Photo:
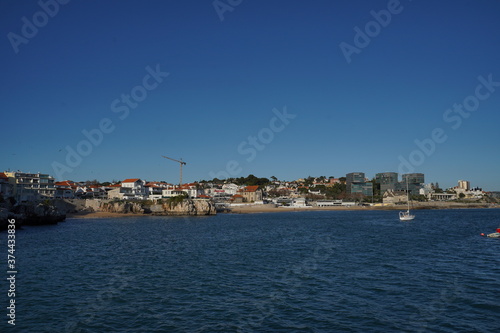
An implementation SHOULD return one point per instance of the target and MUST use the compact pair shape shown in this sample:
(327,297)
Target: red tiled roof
(3,175)
(237,196)
(251,188)
(131,180)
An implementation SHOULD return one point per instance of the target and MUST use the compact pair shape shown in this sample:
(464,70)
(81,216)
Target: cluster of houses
(34,186)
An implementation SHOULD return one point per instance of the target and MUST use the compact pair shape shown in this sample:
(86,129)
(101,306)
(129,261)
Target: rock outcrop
(33,214)
(189,207)
(122,207)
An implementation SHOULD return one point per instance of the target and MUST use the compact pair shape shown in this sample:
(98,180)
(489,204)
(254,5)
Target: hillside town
(352,189)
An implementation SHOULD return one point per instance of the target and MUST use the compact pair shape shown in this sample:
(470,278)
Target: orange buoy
(482,234)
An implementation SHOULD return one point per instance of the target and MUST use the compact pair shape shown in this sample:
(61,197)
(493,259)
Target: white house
(299,202)
(172,192)
(328,203)
(231,189)
(136,187)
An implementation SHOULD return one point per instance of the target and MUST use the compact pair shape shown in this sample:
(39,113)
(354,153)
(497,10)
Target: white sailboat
(406,216)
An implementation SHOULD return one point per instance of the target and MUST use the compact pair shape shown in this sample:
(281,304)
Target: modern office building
(356,183)
(31,186)
(415,182)
(387,181)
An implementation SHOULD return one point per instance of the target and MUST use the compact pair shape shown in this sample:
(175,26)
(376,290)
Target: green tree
(376,187)
(309,181)
(303,190)
(337,191)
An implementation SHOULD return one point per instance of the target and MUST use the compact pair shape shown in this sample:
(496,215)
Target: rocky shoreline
(55,211)
(31,214)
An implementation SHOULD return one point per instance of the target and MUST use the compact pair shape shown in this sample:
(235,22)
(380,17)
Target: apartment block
(31,186)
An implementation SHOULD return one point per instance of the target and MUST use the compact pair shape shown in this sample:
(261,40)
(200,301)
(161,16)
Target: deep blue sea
(329,271)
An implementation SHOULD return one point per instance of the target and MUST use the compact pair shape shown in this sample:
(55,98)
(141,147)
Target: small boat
(493,235)
(406,216)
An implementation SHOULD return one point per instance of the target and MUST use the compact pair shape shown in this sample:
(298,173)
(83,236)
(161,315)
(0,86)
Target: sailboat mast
(407,194)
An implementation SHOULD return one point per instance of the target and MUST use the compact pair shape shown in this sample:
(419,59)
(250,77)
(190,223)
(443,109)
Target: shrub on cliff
(174,201)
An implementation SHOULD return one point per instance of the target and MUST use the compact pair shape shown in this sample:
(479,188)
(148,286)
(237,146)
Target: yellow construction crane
(181,162)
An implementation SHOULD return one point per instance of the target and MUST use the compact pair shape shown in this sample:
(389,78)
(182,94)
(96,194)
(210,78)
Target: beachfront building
(328,203)
(299,202)
(251,193)
(31,186)
(356,183)
(394,197)
(442,196)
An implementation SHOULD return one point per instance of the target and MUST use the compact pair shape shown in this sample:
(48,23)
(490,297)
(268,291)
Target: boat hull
(406,216)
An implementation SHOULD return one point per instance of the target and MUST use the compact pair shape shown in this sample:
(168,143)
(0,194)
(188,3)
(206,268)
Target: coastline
(98,215)
(256,209)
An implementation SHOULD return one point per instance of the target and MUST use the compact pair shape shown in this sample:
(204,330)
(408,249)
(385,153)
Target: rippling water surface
(280,272)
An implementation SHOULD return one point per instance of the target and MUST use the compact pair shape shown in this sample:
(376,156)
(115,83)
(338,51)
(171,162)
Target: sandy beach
(248,209)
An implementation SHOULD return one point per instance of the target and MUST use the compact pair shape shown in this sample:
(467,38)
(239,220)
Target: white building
(328,203)
(134,188)
(191,190)
(31,186)
(442,196)
(231,189)
(299,202)
(171,192)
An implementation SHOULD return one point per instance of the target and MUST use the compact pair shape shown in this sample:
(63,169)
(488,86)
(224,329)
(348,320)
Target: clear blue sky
(226,77)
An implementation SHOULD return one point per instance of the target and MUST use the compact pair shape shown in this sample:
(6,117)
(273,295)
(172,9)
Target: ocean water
(279,272)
